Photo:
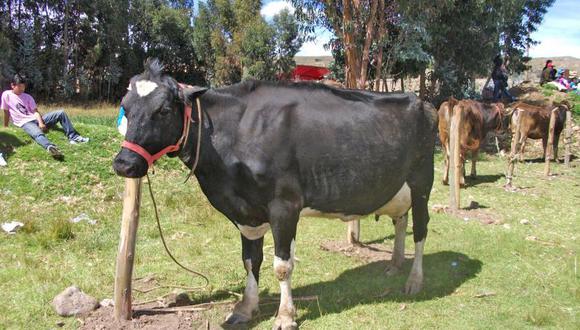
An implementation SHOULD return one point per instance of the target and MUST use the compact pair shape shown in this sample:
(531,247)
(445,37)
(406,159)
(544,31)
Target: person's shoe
(54,152)
(79,139)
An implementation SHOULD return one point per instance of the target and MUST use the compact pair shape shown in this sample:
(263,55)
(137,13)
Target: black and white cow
(273,152)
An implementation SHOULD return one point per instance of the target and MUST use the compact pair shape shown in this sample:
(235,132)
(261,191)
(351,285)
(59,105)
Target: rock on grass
(72,301)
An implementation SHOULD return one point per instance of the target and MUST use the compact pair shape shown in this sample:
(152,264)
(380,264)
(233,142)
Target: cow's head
(154,106)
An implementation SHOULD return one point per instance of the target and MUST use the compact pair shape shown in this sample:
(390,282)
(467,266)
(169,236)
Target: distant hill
(322,61)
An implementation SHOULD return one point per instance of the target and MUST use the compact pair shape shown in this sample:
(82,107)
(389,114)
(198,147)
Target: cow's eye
(164,111)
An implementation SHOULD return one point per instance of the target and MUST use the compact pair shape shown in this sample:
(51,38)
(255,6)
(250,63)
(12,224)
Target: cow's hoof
(414,285)
(284,323)
(235,318)
(392,270)
(445,182)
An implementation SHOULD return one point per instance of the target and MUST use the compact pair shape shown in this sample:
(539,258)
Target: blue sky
(558,35)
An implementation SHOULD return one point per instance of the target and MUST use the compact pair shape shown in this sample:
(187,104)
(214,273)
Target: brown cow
(477,120)
(535,123)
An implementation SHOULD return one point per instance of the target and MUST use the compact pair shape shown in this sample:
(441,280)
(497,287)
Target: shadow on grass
(8,143)
(368,285)
(472,182)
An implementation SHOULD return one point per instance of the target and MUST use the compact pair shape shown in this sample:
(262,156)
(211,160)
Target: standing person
(21,108)
(500,80)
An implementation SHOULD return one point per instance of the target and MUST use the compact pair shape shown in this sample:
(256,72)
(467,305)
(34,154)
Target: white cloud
(316,47)
(313,48)
(552,47)
(272,8)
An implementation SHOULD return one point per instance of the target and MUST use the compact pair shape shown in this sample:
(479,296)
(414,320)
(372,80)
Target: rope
(196,161)
(163,239)
(198,147)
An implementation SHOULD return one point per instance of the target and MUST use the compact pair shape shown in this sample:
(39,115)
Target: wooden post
(549,146)
(126,254)
(568,138)
(455,163)
(515,147)
(353,233)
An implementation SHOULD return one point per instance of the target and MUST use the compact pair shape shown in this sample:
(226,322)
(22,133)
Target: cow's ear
(190,93)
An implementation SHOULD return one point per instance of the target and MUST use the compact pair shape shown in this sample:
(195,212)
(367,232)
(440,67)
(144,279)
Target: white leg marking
(415,280)
(253,233)
(283,270)
(244,309)
(145,87)
(399,249)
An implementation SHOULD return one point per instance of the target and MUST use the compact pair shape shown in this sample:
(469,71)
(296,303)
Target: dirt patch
(150,317)
(365,252)
(473,212)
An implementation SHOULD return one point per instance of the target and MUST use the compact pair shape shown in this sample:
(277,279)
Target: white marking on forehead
(253,233)
(145,87)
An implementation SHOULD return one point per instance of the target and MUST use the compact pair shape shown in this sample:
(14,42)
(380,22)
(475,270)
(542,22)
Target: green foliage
(288,41)
(464,37)
(234,42)
(258,50)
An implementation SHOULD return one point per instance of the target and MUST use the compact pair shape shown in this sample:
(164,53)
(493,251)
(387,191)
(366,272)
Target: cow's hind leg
(252,257)
(421,182)
(284,219)
(474,155)
(446,164)
(399,249)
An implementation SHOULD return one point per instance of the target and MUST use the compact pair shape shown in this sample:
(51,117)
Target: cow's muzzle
(129,164)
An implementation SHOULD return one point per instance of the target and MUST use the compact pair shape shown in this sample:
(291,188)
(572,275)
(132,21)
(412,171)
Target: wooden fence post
(455,163)
(515,147)
(549,146)
(126,254)
(568,138)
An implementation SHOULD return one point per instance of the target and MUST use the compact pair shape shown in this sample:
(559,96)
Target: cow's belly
(396,207)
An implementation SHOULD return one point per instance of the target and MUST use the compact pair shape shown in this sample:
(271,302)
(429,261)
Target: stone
(72,301)
(177,298)
(107,302)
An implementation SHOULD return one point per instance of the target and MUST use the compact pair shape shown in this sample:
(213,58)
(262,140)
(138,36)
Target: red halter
(174,147)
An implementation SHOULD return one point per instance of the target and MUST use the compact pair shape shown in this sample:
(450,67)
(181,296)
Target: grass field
(531,269)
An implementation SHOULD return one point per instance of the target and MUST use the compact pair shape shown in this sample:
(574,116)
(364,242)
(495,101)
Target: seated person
(21,108)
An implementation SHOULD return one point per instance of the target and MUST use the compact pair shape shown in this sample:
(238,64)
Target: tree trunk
(422,87)
(381,35)
(65,40)
(367,45)
(402,84)
(352,64)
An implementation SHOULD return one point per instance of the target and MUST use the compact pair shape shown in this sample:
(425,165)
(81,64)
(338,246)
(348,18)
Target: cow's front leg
(252,257)
(284,219)
(399,249)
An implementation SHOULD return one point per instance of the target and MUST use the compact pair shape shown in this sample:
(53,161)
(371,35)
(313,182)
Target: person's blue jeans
(500,90)
(50,119)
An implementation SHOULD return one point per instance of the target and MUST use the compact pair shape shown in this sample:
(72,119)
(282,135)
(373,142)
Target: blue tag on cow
(122,122)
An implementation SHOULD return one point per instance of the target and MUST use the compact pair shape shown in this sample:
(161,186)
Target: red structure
(308,72)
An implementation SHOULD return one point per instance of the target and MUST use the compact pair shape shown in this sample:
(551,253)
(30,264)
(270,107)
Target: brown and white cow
(477,120)
(535,123)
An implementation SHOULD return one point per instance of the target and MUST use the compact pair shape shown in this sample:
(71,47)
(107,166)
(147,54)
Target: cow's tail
(452,102)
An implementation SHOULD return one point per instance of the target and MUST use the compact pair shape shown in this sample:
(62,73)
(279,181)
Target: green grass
(535,281)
